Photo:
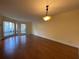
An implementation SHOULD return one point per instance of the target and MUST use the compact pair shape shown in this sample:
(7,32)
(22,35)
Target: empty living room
(39,29)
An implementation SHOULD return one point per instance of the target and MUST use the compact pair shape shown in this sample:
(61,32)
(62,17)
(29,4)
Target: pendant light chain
(47,9)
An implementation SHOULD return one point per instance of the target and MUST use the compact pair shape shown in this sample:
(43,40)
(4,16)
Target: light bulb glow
(46,18)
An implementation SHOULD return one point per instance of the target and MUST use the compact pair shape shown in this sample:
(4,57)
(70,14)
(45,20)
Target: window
(23,28)
(8,28)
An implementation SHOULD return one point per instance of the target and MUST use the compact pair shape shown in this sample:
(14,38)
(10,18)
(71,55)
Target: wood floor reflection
(33,47)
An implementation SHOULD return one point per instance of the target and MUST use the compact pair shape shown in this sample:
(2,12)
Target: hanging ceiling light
(47,18)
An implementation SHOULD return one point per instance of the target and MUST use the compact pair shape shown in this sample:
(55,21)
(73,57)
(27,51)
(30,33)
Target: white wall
(1,27)
(62,28)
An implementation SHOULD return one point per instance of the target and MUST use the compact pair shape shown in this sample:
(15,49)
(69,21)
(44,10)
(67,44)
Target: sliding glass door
(23,28)
(8,28)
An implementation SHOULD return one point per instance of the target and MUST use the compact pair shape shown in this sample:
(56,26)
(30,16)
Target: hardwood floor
(33,47)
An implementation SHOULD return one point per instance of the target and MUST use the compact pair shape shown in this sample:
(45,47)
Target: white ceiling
(34,9)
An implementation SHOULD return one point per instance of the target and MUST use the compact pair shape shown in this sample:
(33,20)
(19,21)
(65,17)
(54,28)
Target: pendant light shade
(46,18)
